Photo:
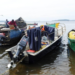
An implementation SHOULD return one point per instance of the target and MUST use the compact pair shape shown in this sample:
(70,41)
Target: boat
(71,39)
(21,24)
(2,25)
(36,43)
(53,24)
(32,23)
(9,36)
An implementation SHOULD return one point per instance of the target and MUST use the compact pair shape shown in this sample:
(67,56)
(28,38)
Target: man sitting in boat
(12,24)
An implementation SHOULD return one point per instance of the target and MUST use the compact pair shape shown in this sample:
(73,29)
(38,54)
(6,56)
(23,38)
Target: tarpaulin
(15,33)
(51,32)
(34,38)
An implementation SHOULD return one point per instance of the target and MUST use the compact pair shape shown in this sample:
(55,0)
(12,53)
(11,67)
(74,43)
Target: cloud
(37,9)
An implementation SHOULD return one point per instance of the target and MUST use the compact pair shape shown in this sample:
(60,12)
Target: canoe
(71,39)
(10,36)
(37,44)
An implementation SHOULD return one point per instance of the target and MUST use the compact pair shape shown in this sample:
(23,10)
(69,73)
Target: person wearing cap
(12,23)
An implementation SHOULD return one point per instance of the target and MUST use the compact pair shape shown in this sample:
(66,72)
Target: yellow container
(11,26)
(42,47)
(72,35)
(57,24)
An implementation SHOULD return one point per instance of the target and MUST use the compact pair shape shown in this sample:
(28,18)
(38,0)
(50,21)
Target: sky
(37,10)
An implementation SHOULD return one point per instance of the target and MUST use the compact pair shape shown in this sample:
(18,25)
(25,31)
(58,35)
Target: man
(7,26)
(12,23)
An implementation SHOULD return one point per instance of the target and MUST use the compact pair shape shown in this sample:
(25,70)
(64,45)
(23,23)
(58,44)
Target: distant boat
(37,44)
(71,39)
(32,23)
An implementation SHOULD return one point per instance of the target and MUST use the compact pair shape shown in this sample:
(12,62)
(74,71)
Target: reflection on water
(4,59)
(71,55)
(61,61)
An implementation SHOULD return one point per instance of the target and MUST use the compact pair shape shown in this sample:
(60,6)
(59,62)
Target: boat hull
(13,38)
(33,59)
(10,42)
(71,43)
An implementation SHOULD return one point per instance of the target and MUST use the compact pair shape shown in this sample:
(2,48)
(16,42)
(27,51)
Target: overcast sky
(37,10)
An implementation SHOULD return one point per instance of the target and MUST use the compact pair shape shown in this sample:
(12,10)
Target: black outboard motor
(19,53)
(20,48)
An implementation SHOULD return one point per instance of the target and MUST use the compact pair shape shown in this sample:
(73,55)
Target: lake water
(60,61)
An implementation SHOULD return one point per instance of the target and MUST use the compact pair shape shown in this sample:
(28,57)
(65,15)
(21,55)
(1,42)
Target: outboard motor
(19,52)
(20,48)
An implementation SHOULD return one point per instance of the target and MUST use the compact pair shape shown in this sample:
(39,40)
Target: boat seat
(56,38)
(6,29)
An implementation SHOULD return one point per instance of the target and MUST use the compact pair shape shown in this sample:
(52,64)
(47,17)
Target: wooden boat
(33,47)
(10,36)
(21,24)
(71,39)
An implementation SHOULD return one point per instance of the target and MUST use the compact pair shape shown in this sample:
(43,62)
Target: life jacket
(42,28)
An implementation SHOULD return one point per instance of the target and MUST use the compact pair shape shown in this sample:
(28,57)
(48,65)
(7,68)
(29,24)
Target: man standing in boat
(7,26)
(12,23)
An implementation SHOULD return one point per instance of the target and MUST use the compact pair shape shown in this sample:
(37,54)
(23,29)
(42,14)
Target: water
(61,61)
